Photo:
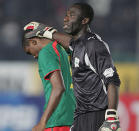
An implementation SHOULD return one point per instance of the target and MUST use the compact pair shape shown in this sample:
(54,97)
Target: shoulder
(46,52)
(95,43)
(92,42)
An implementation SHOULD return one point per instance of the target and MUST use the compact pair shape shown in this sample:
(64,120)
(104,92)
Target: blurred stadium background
(21,93)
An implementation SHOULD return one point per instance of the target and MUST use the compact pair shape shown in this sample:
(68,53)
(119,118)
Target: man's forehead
(32,39)
(27,42)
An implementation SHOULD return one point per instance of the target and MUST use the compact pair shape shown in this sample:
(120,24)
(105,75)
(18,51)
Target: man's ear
(85,21)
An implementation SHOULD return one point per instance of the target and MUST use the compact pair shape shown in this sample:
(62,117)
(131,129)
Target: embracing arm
(53,34)
(63,39)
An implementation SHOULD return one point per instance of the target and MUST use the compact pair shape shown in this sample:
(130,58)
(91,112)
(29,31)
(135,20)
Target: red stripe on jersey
(60,128)
(45,77)
(55,49)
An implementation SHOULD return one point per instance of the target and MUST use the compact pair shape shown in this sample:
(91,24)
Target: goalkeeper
(54,72)
(95,79)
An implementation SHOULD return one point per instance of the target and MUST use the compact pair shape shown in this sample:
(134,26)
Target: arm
(56,93)
(108,73)
(111,116)
(113,96)
(51,33)
(100,58)
(63,39)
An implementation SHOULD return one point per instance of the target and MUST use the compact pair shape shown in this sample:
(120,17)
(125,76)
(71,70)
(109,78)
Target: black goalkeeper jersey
(92,71)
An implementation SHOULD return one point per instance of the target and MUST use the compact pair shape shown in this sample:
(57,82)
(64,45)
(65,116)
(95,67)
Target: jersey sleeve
(101,61)
(48,62)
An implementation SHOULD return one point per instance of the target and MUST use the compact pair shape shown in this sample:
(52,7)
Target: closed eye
(28,53)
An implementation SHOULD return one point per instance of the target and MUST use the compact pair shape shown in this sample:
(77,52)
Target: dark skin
(57,91)
(35,45)
(75,27)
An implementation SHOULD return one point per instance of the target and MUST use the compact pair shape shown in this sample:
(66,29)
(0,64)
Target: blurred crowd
(115,21)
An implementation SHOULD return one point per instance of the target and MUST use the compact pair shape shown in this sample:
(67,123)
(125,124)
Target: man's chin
(67,31)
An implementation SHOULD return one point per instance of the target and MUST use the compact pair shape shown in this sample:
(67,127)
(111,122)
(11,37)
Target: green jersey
(51,58)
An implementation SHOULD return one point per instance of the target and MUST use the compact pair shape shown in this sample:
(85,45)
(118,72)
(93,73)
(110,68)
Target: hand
(40,30)
(47,32)
(39,127)
(111,122)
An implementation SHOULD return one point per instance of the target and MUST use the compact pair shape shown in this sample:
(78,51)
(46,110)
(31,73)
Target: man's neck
(44,42)
(82,32)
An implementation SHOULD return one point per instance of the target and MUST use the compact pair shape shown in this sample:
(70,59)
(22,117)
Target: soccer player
(54,72)
(95,79)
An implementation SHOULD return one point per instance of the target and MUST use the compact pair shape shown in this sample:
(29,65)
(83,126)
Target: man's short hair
(86,10)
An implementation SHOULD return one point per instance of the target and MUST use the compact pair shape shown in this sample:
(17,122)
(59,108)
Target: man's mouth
(35,57)
(65,26)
